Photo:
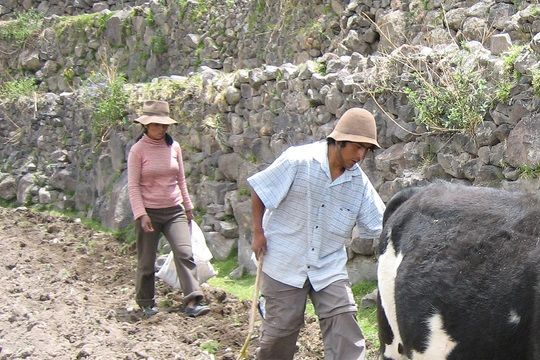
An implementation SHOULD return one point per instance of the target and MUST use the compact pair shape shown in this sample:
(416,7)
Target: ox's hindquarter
(465,272)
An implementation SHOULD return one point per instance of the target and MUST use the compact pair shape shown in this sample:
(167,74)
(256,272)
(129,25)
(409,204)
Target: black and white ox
(459,275)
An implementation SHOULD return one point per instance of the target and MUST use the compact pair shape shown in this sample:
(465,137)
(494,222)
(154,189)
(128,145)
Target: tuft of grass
(367,317)
(80,23)
(529,171)
(241,288)
(22,27)
(11,204)
(127,235)
(11,90)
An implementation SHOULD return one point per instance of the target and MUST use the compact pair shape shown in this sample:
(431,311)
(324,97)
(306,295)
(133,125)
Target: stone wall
(235,121)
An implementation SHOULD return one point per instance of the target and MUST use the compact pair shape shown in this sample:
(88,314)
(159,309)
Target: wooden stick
(253,313)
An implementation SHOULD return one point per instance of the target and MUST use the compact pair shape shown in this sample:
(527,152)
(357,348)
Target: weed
(11,90)
(127,235)
(198,214)
(503,90)
(158,45)
(165,303)
(210,346)
(149,18)
(509,61)
(22,27)
(69,74)
(252,158)
(428,159)
(320,67)
(215,124)
(536,81)
(529,171)
(244,191)
(106,94)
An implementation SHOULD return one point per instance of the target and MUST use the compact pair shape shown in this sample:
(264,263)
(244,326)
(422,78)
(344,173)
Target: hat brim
(339,136)
(156,119)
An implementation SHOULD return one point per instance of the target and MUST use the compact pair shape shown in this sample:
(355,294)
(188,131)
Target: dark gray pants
(285,306)
(172,222)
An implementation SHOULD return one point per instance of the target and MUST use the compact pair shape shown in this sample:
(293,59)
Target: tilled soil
(67,293)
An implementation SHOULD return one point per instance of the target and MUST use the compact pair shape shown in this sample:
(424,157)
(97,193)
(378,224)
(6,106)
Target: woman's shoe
(149,310)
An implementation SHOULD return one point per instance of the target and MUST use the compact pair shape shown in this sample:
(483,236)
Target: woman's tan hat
(356,125)
(155,111)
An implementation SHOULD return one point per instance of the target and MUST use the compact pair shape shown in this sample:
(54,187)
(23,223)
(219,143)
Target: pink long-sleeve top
(156,177)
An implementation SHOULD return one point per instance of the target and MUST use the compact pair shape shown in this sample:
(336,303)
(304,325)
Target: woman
(161,204)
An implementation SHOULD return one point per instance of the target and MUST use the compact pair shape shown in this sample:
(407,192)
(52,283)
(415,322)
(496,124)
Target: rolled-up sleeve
(371,212)
(273,183)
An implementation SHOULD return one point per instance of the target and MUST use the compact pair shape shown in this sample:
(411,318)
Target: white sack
(201,255)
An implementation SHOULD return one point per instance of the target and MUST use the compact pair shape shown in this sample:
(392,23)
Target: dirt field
(67,293)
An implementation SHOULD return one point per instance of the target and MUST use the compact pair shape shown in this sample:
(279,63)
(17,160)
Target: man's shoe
(197,310)
(149,310)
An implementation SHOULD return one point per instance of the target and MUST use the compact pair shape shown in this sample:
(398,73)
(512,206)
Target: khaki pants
(285,307)
(172,222)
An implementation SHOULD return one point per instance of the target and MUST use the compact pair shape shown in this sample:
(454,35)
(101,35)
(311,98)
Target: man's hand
(146,223)
(259,244)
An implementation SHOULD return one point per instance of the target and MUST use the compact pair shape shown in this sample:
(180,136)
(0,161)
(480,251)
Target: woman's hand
(146,223)
(189,215)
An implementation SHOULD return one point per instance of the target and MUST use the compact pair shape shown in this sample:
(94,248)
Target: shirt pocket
(339,228)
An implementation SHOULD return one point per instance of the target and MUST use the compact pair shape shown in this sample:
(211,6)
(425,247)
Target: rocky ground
(67,293)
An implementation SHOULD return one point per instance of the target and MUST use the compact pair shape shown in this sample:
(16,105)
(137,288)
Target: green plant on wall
(69,74)
(81,23)
(105,94)
(458,101)
(22,27)
(149,18)
(11,90)
(529,171)
(158,44)
(215,124)
(536,81)
(509,61)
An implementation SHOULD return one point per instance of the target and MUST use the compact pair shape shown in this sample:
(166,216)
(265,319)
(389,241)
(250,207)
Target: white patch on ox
(513,317)
(439,345)
(389,262)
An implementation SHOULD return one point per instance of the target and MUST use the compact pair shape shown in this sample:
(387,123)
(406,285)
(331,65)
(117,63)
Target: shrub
(458,101)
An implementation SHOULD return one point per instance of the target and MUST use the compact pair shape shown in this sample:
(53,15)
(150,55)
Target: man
(304,208)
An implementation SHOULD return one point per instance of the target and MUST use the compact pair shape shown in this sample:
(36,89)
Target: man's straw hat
(356,125)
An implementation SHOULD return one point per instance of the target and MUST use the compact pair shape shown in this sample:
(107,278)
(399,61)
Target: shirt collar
(321,156)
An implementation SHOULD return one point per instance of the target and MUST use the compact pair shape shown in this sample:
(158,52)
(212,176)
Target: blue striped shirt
(309,217)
